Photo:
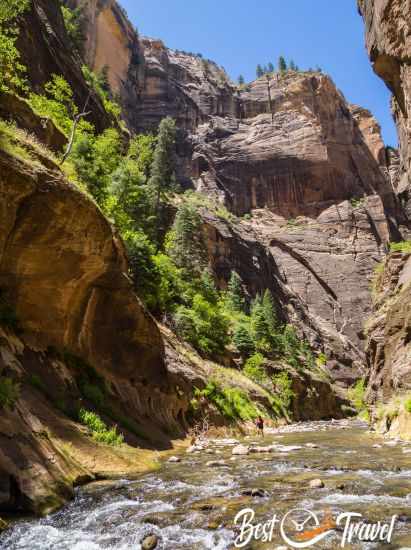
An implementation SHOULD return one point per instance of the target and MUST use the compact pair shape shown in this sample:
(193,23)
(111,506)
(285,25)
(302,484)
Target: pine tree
(243,340)
(259,71)
(241,80)
(282,64)
(270,67)
(163,169)
(270,316)
(258,323)
(187,248)
(293,66)
(235,294)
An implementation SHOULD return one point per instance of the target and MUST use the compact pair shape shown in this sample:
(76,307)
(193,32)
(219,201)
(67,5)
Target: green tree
(270,67)
(293,66)
(259,71)
(11,69)
(95,160)
(186,247)
(203,325)
(235,294)
(269,312)
(163,169)
(241,80)
(282,64)
(73,22)
(141,150)
(243,340)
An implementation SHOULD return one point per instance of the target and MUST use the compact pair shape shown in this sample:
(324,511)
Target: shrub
(232,403)
(283,387)
(98,428)
(72,22)
(204,325)
(11,70)
(9,392)
(407,405)
(254,369)
(356,394)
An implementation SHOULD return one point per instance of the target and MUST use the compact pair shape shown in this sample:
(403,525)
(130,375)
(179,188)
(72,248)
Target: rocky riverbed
(191,502)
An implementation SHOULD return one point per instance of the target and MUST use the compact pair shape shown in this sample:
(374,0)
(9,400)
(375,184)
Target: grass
(22,144)
(99,431)
(9,392)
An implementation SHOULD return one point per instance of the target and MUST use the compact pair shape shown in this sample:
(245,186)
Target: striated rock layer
(388,40)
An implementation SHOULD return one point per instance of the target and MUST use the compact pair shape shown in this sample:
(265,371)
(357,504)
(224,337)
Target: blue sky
(238,34)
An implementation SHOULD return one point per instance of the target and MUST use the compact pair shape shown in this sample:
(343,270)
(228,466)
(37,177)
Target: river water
(192,504)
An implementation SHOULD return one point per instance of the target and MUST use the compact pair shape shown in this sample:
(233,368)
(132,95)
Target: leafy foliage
(254,369)
(283,387)
(11,69)
(232,403)
(357,395)
(73,22)
(99,430)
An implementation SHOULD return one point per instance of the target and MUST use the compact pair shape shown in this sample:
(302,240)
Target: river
(192,504)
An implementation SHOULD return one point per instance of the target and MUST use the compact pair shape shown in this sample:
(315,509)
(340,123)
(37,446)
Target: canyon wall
(387,32)
(387,28)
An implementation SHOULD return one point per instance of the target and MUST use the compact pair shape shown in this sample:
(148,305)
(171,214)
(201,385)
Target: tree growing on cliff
(162,171)
(282,64)
(243,340)
(270,67)
(259,71)
(235,295)
(11,69)
(186,247)
(241,80)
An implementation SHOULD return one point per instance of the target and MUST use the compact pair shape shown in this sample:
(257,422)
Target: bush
(232,403)
(99,430)
(11,70)
(407,405)
(254,369)
(283,384)
(72,22)
(204,325)
(356,394)
(9,392)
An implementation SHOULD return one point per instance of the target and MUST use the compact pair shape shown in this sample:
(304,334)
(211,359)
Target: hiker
(260,425)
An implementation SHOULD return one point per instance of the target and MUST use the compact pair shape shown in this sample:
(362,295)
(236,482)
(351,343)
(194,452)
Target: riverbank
(192,502)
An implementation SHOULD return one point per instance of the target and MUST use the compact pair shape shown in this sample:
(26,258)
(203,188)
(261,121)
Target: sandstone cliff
(388,351)
(288,149)
(309,185)
(387,25)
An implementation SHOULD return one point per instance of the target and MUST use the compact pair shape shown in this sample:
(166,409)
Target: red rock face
(289,149)
(388,40)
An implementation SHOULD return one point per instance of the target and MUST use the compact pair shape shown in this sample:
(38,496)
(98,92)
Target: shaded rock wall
(389,331)
(387,26)
(42,30)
